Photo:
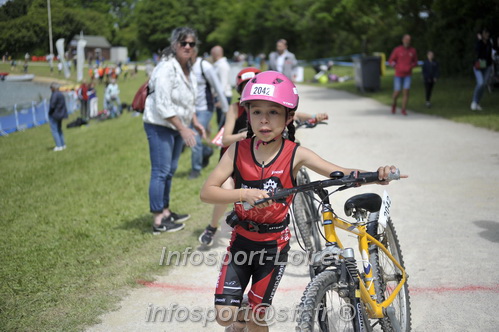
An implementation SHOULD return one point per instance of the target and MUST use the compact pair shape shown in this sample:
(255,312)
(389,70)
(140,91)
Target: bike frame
(367,294)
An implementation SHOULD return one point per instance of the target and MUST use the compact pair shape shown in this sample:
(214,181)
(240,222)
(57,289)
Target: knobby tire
(387,275)
(322,309)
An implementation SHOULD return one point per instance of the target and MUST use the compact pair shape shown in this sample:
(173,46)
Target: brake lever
(344,187)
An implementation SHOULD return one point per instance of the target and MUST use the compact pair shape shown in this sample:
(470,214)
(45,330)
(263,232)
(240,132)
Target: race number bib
(384,212)
(262,90)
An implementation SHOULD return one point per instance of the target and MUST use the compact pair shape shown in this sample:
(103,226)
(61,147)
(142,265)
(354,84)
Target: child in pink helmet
(236,129)
(259,165)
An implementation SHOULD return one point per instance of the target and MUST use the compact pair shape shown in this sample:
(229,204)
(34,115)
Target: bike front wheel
(306,215)
(387,276)
(323,309)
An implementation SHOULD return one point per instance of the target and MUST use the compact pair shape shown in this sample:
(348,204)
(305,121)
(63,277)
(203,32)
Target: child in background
(259,165)
(430,75)
(235,129)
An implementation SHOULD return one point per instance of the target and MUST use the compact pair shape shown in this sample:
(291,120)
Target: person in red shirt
(259,165)
(83,96)
(403,59)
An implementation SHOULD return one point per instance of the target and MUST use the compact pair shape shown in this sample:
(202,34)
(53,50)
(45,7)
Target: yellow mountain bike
(340,297)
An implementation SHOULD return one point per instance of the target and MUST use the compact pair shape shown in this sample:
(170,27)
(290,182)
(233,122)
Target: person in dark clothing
(430,75)
(57,112)
(482,67)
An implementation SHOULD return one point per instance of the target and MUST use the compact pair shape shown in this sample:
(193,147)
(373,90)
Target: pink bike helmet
(271,86)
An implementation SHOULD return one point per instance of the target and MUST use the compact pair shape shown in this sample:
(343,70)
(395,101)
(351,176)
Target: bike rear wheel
(323,309)
(387,276)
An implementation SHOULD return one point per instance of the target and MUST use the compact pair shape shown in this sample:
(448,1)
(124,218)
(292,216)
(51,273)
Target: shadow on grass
(142,223)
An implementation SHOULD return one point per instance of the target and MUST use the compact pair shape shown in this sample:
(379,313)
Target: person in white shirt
(223,70)
(168,115)
(207,83)
(112,101)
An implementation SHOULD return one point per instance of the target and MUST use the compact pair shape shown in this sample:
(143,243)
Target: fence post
(34,114)
(46,110)
(17,119)
(2,132)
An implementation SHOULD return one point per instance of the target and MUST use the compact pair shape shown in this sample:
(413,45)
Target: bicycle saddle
(370,202)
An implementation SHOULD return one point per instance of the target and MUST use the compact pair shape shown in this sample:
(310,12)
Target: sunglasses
(184,44)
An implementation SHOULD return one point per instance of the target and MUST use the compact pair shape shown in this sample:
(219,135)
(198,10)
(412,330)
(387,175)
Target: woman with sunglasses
(168,114)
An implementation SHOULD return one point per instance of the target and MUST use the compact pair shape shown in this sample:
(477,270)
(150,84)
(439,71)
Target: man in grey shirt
(283,60)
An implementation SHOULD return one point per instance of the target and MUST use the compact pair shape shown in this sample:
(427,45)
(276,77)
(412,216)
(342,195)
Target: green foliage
(452,28)
(14,9)
(156,19)
(314,28)
(29,32)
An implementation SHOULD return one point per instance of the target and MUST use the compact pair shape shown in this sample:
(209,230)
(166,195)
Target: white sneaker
(58,148)
(473,106)
(478,108)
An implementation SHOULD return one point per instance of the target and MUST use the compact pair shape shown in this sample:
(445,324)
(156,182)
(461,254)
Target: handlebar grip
(394,176)
(369,176)
(373,176)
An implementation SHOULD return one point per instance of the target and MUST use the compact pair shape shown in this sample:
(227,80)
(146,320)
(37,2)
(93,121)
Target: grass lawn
(74,225)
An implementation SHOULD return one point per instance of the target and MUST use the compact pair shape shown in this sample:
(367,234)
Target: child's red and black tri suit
(260,256)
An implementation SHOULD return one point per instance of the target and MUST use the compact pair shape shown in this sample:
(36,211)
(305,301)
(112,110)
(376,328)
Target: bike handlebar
(348,181)
(308,123)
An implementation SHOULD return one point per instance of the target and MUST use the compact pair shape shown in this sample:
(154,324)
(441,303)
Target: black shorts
(263,262)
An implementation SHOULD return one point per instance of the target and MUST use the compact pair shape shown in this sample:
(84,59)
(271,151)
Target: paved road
(446,215)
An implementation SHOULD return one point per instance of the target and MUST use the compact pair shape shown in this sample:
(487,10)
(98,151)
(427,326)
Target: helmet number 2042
(263,90)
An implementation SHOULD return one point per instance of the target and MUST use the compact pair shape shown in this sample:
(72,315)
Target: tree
(313,28)
(452,28)
(14,9)
(156,19)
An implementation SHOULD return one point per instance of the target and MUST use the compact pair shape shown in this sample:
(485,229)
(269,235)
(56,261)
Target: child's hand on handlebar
(388,173)
(321,117)
(253,195)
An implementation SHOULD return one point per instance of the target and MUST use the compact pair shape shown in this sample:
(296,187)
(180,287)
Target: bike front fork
(350,278)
